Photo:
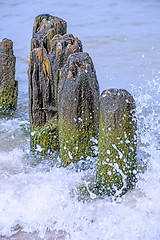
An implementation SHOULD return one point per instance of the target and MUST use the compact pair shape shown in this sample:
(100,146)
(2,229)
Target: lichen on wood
(8,85)
(78,109)
(117,168)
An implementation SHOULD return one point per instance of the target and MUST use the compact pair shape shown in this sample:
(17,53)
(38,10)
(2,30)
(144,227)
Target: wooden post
(8,85)
(44,132)
(47,21)
(78,109)
(62,47)
(44,29)
(117,166)
(50,51)
(43,111)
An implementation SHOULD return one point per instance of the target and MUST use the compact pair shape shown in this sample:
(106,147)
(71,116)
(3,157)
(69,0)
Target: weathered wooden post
(50,50)
(62,47)
(8,85)
(47,21)
(117,166)
(43,111)
(44,129)
(78,108)
(45,28)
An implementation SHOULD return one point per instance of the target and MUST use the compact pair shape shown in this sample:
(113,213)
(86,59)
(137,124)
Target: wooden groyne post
(78,108)
(117,167)
(67,113)
(50,48)
(8,84)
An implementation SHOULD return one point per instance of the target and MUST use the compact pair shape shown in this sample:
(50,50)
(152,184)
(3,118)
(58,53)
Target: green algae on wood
(8,97)
(8,85)
(45,139)
(117,166)
(78,109)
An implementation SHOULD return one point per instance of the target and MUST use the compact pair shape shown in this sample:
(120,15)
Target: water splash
(38,200)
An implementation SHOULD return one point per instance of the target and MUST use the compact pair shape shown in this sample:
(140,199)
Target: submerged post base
(45,139)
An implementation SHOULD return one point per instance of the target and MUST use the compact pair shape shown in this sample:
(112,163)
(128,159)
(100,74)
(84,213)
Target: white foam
(40,200)
(11,162)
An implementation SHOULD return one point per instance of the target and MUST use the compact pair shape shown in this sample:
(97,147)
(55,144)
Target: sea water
(39,200)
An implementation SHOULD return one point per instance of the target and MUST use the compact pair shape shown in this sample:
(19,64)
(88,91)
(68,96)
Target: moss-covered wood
(78,109)
(8,85)
(117,166)
(45,138)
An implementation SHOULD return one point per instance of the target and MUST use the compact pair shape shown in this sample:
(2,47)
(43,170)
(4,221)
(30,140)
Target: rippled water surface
(38,200)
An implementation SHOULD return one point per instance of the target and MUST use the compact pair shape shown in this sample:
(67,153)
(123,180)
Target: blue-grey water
(37,199)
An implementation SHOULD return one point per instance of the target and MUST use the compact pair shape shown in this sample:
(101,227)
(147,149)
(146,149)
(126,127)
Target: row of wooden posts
(67,112)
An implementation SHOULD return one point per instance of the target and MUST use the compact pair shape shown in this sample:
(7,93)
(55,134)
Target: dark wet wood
(41,88)
(78,108)
(45,28)
(50,51)
(7,63)
(8,85)
(62,47)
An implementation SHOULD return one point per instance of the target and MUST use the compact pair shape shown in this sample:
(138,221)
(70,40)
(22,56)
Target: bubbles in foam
(11,162)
